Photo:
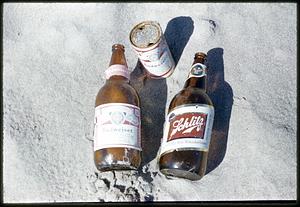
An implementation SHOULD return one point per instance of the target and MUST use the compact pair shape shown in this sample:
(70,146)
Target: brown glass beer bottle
(117,132)
(188,126)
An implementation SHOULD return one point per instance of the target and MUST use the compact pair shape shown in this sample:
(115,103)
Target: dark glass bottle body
(189,164)
(117,90)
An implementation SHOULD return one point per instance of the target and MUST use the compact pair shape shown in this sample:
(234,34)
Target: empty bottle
(117,132)
(188,126)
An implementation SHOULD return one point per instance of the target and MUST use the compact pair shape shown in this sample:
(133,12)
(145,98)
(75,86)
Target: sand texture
(54,57)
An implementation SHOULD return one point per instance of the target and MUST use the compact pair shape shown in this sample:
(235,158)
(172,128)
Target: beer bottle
(117,132)
(188,127)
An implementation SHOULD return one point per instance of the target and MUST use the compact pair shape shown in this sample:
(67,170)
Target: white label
(188,127)
(117,69)
(198,70)
(159,60)
(117,125)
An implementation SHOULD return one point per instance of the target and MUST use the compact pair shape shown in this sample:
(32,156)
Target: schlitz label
(187,125)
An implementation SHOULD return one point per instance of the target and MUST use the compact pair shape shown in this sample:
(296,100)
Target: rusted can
(148,40)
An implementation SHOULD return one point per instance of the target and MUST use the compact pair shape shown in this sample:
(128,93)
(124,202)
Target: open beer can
(149,43)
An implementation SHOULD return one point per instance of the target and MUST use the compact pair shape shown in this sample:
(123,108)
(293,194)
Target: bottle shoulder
(117,92)
(190,95)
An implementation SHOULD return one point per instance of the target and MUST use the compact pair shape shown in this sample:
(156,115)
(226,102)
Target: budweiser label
(117,69)
(117,125)
(188,127)
(159,60)
(198,70)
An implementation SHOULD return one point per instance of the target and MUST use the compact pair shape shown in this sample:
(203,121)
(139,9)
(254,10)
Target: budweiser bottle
(188,127)
(117,133)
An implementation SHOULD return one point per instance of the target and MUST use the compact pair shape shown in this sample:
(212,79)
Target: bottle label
(117,69)
(188,127)
(158,61)
(198,70)
(117,125)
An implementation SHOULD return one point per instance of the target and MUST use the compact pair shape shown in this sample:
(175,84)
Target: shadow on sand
(221,95)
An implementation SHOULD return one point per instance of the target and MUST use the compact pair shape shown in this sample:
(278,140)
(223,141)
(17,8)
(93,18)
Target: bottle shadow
(153,97)
(221,95)
(153,92)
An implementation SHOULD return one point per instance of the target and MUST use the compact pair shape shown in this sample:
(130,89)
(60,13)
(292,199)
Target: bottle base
(189,164)
(181,174)
(105,168)
(117,158)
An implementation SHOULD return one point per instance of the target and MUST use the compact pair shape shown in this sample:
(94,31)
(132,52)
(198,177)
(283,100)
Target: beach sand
(54,57)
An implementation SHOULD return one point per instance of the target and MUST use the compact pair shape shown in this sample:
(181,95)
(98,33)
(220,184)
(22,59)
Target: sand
(54,57)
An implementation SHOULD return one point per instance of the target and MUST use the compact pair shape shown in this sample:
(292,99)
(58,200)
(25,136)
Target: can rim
(154,23)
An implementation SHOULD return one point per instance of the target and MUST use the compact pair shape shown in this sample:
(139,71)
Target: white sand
(54,61)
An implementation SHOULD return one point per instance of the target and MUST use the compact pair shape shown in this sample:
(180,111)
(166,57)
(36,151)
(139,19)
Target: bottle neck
(197,75)
(118,69)
(118,78)
(118,55)
(196,82)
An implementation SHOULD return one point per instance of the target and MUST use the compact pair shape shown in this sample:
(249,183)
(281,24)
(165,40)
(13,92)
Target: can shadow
(153,97)
(221,95)
(177,34)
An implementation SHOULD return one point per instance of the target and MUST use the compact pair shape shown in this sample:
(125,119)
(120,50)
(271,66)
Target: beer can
(149,43)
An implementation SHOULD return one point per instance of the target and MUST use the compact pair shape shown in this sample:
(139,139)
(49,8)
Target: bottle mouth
(200,54)
(118,46)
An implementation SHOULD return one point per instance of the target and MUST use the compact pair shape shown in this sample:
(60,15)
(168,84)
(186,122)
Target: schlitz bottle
(117,132)
(188,126)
